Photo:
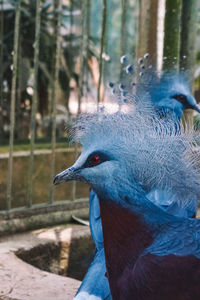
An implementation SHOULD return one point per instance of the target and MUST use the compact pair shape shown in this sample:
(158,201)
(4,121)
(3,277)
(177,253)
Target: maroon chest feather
(149,277)
(162,278)
(121,251)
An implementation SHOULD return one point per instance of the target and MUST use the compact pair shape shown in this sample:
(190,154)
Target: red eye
(95,160)
(181,98)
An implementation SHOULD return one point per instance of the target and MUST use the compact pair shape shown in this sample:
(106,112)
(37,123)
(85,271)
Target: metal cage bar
(13,101)
(35,101)
(55,96)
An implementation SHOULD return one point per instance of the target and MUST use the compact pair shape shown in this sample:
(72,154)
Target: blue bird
(170,96)
(150,254)
(101,288)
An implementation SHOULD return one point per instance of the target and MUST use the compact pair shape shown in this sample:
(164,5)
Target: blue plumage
(171,95)
(94,270)
(95,220)
(159,147)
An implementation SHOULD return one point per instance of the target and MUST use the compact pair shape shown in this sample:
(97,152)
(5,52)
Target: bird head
(101,163)
(97,166)
(173,93)
(131,151)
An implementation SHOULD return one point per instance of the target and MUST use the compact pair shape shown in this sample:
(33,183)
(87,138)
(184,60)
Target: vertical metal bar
(12,109)
(1,64)
(83,52)
(51,91)
(123,38)
(87,43)
(83,57)
(55,95)
(71,23)
(103,38)
(35,100)
(73,193)
(18,91)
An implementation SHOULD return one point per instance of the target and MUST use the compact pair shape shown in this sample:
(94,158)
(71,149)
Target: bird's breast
(125,237)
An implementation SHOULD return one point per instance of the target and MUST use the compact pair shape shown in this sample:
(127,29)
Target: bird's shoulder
(180,237)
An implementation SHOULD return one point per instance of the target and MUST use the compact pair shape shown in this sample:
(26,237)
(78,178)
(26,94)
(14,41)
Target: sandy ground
(21,281)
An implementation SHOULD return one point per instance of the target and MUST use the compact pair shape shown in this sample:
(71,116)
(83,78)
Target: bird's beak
(193,104)
(196,107)
(66,175)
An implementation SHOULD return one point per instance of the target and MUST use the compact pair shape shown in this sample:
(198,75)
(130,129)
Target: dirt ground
(21,281)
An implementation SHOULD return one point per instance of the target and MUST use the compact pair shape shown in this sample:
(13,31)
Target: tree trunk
(172,32)
(143,27)
(188,35)
(148,35)
(188,44)
(153,33)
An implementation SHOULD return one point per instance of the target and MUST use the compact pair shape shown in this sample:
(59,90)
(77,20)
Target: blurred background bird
(150,254)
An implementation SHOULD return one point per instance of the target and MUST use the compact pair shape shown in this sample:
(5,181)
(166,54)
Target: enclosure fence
(9,211)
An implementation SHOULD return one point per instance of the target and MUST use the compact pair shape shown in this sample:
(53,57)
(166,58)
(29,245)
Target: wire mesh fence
(55,61)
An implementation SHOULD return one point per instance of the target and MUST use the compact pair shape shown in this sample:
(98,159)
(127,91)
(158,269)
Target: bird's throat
(125,237)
